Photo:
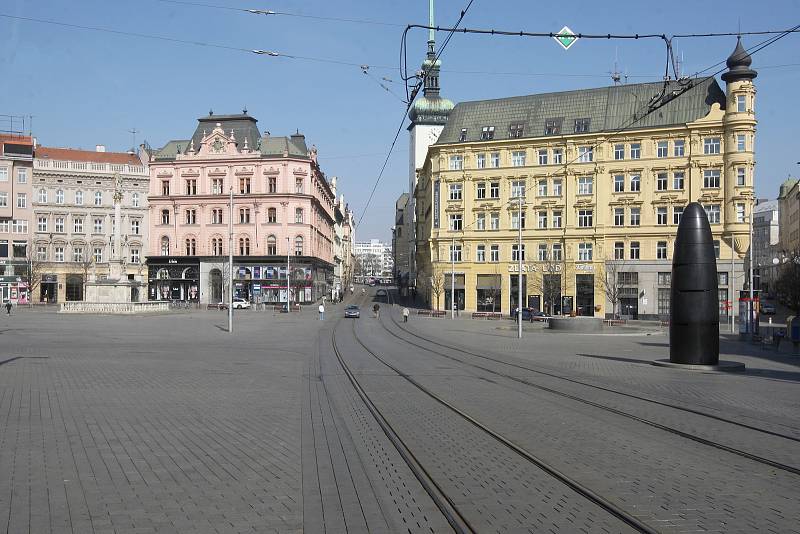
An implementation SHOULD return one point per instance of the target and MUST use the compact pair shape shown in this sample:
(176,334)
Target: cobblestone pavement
(169,424)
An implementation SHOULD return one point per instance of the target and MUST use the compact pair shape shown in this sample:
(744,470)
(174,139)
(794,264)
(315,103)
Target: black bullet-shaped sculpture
(694,310)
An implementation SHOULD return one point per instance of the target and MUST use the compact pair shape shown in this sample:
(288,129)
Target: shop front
(488,293)
(457,289)
(14,282)
(174,279)
(48,289)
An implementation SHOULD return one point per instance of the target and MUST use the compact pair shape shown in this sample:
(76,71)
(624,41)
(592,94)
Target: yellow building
(603,175)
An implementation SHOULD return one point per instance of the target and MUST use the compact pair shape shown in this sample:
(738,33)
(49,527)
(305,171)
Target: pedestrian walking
(321,312)
(405,315)
(8,307)
(376,309)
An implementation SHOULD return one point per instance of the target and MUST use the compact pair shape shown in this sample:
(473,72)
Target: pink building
(282,204)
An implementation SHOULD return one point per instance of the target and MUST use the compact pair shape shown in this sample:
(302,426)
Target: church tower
(739,126)
(428,116)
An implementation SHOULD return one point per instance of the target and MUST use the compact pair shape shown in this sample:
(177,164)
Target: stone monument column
(115,264)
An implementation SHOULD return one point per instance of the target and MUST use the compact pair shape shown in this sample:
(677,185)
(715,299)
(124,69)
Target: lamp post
(519,266)
(230,262)
(288,288)
(452,277)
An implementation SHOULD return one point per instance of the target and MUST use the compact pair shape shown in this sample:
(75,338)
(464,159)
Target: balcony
(90,167)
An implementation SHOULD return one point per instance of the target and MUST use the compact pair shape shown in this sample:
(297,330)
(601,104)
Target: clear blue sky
(86,87)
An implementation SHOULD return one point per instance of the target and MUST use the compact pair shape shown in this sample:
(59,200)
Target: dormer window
(515,130)
(487,133)
(463,136)
(552,127)
(581,125)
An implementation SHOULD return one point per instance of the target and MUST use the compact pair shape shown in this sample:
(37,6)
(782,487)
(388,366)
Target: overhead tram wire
(410,102)
(651,109)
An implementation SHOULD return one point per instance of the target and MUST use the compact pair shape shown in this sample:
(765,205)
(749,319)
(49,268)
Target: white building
(373,258)
(766,239)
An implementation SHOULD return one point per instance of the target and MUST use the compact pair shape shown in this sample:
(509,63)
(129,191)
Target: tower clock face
(433,135)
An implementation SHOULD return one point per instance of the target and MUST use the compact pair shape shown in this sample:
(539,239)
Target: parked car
(238,304)
(767,308)
(352,312)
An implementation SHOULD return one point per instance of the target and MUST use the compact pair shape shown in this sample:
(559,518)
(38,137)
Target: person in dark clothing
(8,307)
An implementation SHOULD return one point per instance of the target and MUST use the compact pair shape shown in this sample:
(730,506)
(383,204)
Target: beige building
(789,215)
(603,176)
(73,218)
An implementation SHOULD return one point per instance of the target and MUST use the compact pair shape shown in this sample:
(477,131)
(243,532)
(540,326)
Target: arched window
(272,215)
(298,245)
(191,247)
(298,215)
(244,246)
(165,246)
(272,246)
(216,246)
(164,216)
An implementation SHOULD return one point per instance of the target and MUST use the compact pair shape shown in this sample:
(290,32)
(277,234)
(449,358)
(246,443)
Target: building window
(135,200)
(740,143)
(661,215)
(244,215)
(3,199)
(541,189)
(664,279)
(494,190)
(456,162)
(98,198)
(191,247)
(244,185)
(585,218)
(59,225)
(480,161)
(455,253)
(463,136)
(480,253)
(42,196)
(3,174)
(619,152)
(135,226)
(542,156)
(495,159)
(216,246)
(298,246)
(480,190)
(619,250)
(636,216)
(516,217)
(272,246)
(741,103)
(740,176)
(711,145)
(677,213)
(557,219)
(716,248)
(619,216)
(542,252)
(41,252)
(518,189)
(661,250)
(581,125)
(216,216)
(619,183)
(97,253)
(456,222)
(557,252)
(455,191)
(584,252)
(19,226)
(79,198)
(518,158)
(634,249)
(552,126)
(662,149)
(191,187)
(677,180)
(135,255)
(661,181)
(557,187)
(711,178)
(272,184)
(298,215)
(60,196)
(494,253)
(480,221)
(712,210)
(164,216)
(636,183)
(740,213)
(244,246)
(22,175)
(494,221)
(98,225)
(487,133)
(22,200)
(541,220)
(41,225)
(298,186)
(678,148)
(585,185)
(272,215)
(518,252)
(515,130)
(191,216)
(636,150)
(59,254)
(77,225)
(585,154)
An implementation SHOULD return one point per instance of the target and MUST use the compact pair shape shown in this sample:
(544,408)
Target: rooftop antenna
(616,76)
(133,132)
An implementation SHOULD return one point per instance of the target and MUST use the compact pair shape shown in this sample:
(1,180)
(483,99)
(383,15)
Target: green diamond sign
(565,37)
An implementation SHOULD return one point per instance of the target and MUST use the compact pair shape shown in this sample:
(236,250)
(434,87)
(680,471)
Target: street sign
(565,37)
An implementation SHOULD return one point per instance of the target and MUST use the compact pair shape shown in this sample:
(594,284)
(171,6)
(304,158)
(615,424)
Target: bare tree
(85,266)
(436,281)
(611,283)
(548,284)
(36,269)
(788,283)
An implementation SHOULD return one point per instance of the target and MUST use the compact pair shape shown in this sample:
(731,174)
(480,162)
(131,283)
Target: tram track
(451,511)
(699,439)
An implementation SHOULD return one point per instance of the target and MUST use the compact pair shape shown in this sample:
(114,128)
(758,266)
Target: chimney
(100,148)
